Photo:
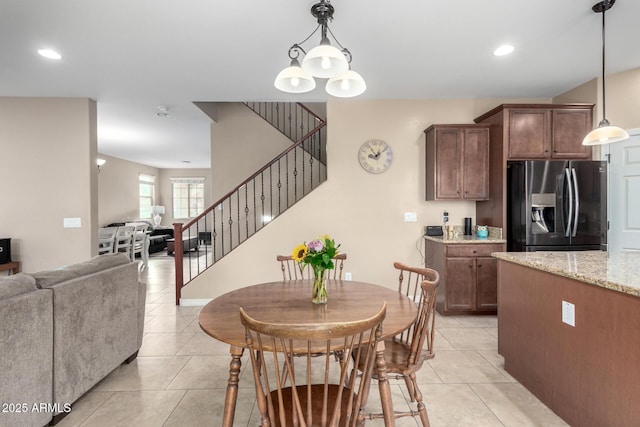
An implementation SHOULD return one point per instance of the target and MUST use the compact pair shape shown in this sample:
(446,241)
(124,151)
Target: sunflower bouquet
(318,253)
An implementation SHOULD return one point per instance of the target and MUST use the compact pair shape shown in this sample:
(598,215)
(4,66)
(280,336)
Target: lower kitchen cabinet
(468,276)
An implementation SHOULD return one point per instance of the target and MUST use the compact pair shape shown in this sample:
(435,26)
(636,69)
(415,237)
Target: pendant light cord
(604,101)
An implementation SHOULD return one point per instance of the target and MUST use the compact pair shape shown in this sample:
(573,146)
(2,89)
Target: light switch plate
(568,313)
(71,223)
(410,217)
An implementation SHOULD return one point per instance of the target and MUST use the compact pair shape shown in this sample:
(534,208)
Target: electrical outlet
(347,276)
(568,313)
(445,217)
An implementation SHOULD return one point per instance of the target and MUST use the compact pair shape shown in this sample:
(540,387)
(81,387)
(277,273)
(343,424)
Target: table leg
(232,387)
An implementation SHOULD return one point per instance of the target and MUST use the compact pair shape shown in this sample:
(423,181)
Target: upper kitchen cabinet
(530,132)
(543,131)
(457,162)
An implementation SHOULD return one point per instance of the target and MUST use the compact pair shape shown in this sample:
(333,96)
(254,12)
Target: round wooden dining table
(290,302)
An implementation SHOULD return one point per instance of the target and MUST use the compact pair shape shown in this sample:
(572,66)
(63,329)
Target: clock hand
(371,156)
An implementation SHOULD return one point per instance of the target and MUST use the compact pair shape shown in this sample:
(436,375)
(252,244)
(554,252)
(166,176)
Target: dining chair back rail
(292,270)
(339,399)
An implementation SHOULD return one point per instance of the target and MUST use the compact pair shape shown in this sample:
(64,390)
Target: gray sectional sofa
(62,331)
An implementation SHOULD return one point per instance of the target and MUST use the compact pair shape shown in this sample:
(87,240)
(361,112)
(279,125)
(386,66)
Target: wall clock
(375,156)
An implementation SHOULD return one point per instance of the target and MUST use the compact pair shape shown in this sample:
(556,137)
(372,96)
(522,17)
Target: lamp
(156,211)
(323,61)
(604,133)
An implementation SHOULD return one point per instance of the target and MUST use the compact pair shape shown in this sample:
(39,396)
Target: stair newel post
(177,255)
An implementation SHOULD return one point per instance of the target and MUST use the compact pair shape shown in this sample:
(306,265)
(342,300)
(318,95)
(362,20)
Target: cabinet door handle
(475,252)
(479,265)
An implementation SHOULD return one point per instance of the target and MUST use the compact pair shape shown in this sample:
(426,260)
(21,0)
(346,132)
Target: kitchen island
(584,368)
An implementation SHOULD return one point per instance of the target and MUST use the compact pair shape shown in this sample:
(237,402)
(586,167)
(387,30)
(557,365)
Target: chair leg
(416,396)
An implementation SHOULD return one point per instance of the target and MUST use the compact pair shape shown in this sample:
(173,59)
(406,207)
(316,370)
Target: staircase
(260,198)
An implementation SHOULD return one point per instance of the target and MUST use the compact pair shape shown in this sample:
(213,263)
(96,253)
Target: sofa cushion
(46,279)
(17,284)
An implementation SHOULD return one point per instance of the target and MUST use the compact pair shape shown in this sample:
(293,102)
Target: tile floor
(179,377)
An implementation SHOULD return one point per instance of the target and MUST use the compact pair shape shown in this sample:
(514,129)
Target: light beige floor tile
(204,408)
(166,297)
(514,405)
(163,343)
(440,342)
(209,372)
(492,331)
(84,407)
(497,361)
(426,374)
(469,338)
(457,405)
(144,373)
(170,309)
(203,344)
(447,321)
(194,326)
(168,323)
(465,367)
(135,408)
(478,321)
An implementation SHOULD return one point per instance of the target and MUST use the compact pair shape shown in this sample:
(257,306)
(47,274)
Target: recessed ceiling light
(505,49)
(49,53)
(163,111)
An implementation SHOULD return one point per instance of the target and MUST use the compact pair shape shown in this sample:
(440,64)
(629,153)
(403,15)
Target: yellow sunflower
(299,252)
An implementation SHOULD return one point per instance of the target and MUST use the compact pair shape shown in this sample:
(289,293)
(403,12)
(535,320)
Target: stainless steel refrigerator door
(547,203)
(590,215)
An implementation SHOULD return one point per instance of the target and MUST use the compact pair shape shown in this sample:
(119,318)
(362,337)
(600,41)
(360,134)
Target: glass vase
(319,285)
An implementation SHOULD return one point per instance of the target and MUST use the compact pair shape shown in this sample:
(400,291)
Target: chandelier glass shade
(604,133)
(346,85)
(323,61)
(294,79)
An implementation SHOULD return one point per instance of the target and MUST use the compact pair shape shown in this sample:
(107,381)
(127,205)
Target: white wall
(363,212)
(119,194)
(47,167)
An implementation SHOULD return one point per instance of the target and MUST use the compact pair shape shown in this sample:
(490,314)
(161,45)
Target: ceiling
(133,56)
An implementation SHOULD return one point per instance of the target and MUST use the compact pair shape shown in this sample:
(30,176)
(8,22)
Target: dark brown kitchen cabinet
(468,276)
(529,132)
(548,133)
(457,162)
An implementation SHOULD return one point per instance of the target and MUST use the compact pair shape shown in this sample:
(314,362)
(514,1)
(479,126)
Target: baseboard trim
(193,302)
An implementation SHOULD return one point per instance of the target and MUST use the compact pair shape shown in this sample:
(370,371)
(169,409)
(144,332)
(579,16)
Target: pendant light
(604,133)
(323,61)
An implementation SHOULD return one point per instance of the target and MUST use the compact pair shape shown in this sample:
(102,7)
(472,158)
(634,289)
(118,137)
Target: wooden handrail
(255,174)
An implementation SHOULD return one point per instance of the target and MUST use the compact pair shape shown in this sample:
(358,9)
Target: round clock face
(375,156)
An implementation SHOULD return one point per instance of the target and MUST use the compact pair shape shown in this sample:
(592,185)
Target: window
(147,191)
(188,197)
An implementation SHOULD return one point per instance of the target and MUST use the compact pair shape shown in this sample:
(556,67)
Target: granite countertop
(457,237)
(464,239)
(618,271)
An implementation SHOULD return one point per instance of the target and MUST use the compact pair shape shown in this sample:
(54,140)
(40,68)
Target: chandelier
(605,133)
(323,61)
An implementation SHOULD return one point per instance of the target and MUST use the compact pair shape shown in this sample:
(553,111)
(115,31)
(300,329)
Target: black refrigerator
(555,205)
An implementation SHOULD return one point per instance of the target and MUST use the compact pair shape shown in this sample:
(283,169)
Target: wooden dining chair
(314,392)
(139,242)
(291,270)
(406,353)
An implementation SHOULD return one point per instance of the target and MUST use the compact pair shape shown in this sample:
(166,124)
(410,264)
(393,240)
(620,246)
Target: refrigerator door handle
(577,207)
(567,176)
